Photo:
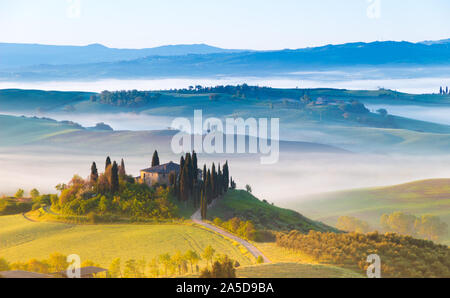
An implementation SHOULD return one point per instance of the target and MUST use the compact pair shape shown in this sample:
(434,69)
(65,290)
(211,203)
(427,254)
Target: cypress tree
(204,173)
(195,165)
(220,181)
(122,171)
(190,168)
(205,208)
(203,205)
(182,162)
(226,177)
(94,173)
(107,163)
(208,188)
(114,178)
(184,184)
(213,182)
(155,159)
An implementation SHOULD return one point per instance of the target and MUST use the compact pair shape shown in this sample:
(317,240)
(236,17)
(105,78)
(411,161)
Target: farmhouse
(160,174)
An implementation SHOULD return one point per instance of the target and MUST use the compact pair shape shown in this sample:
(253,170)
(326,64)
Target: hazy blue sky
(251,24)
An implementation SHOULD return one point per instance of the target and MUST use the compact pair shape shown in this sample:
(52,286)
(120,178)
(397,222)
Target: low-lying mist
(294,176)
(409,80)
(118,121)
(437,114)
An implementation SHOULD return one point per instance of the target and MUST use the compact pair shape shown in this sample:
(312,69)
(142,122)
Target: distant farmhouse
(160,174)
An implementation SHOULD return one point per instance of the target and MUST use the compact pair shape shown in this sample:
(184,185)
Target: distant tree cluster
(354,107)
(352,224)
(188,187)
(131,99)
(238,91)
(427,226)
(9,206)
(244,229)
(20,204)
(402,256)
(444,91)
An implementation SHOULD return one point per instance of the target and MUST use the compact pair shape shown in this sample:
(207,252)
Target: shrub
(260,260)
(222,268)
(36,206)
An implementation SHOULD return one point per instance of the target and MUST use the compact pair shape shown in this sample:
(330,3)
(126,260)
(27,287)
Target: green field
(22,240)
(417,198)
(293,264)
(21,130)
(32,100)
(295,270)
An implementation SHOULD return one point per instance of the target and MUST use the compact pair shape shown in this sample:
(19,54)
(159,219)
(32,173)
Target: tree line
(165,265)
(201,190)
(443,90)
(131,98)
(425,227)
(402,256)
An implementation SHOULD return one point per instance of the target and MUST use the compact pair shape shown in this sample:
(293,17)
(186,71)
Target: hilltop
(101,62)
(417,198)
(19,55)
(243,205)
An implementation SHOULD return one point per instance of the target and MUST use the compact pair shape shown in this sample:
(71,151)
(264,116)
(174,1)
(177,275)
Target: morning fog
(236,136)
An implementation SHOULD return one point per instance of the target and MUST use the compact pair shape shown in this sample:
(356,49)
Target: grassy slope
(30,100)
(21,240)
(290,264)
(295,270)
(19,130)
(239,203)
(418,198)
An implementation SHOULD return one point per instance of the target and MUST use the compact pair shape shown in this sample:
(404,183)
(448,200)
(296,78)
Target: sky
(238,24)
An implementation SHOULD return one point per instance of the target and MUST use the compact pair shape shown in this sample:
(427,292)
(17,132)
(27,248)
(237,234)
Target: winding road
(197,218)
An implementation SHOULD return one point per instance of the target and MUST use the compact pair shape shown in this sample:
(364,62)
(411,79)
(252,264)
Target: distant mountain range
(38,62)
(18,55)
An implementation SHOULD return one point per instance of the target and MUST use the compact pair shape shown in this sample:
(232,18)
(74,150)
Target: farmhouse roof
(164,169)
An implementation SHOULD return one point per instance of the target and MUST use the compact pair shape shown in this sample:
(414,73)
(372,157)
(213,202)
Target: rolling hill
(417,198)
(361,132)
(257,63)
(22,240)
(19,55)
(245,206)
(295,270)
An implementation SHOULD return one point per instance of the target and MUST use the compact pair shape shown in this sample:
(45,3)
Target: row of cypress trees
(112,174)
(200,189)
